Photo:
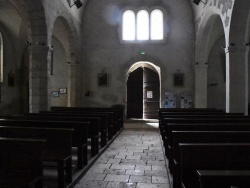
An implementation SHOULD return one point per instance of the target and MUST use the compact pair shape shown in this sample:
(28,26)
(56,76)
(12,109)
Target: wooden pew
(189,110)
(57,149)
(192,111)
(194,118)
(211,156)
(201,137)
(117,117)
(109,119)
(164,111)
(79,137)
(93,129)
(200,119)
(212,126)
(99,121)
(167,121)
(21,162)
(224,178)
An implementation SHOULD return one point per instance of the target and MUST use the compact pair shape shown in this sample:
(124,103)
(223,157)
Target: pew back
(21,162)
(211,156)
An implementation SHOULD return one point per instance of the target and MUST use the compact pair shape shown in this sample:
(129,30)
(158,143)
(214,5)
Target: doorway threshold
(141,123)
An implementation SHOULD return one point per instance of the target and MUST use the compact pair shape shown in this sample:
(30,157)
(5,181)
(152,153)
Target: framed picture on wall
(178,79)
(55,93)
(63,91)
(102,79)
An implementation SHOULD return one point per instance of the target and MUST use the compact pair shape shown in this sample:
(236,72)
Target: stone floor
(134,160)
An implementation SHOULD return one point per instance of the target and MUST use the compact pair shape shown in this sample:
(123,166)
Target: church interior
(106,81)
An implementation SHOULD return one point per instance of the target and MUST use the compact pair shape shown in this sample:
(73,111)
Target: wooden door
(151,87)
(135,94)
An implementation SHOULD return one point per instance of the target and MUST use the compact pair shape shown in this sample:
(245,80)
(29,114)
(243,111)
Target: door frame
(143,64)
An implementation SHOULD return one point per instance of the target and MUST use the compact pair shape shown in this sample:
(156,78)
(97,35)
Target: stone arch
(207,27)
(203,35)
(65,32)
(71,30)
(144,65)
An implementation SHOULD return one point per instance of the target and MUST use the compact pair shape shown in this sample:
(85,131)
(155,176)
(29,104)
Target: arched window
(128,25)
(1,58)
(142,25)
(156,27)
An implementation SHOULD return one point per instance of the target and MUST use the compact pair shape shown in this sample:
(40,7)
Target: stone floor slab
(148,185)
(135,159)
(140,179)
(91,184)
(117,178)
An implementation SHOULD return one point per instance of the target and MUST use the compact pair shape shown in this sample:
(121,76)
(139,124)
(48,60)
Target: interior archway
(216,81)
(143,91)
(59,77)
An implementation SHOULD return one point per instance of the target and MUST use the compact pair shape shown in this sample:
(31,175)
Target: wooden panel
(135,94)
(151,87)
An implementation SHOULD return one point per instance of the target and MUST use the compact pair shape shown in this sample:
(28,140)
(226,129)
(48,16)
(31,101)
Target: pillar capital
(200,65)
(237,48)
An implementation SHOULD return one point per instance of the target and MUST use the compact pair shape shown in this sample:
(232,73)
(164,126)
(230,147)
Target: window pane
(156,25)
(142,25)
(128,25)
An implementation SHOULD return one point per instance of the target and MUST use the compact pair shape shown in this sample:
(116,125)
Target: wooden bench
(224,178)
(21,162)
(58,147)
(165,114)
(163,111)
(179,115)
(189,110)
(79,135)
(194,119)
(200,121)
(109,119)
(99,121)
(220,126)
(117,117)
(201,137)
(93,128)
(211,156)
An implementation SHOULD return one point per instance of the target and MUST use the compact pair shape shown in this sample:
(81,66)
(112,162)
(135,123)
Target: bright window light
(156,18)
(128,25)
(142,25)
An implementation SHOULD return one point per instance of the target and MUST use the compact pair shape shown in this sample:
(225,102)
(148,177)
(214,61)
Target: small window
(143,25)
(128,25)
(156,25)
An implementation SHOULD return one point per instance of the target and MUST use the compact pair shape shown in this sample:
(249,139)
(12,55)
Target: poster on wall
(149,94)
(186,100)
(170,100)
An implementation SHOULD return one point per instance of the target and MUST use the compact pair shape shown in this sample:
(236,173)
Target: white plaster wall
(103,51)
(217,77)
(59,79)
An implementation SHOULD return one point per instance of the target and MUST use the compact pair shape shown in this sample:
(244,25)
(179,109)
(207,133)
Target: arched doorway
(143,91)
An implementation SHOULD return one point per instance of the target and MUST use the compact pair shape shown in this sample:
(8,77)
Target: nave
(135,159)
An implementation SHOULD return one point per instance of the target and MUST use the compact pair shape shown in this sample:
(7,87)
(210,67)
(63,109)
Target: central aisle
(135,159)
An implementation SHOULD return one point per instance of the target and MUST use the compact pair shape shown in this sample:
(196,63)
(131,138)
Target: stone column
(75,85)
(38,78)
(200,85)
(237,78)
